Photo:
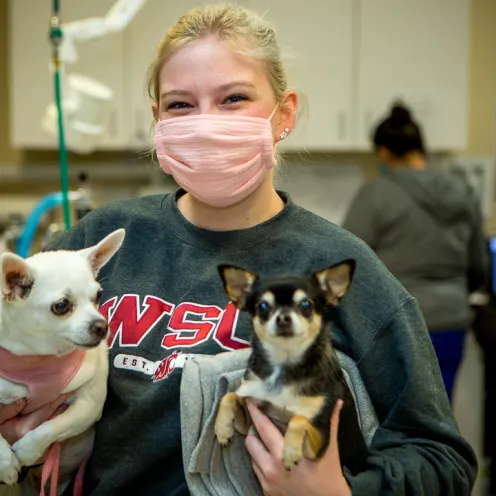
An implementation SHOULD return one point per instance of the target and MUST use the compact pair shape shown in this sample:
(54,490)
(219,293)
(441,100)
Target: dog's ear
(17,278)
(335,281)
(101,253)
(237,283)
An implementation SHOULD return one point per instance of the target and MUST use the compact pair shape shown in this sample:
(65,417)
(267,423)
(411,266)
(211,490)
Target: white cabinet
(31,81)
(417,51)
(354,58)
(350,59)
(316,37)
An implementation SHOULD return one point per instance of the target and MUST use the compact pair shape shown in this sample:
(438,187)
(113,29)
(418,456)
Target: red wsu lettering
(130,324)
(224,334)
(187,333)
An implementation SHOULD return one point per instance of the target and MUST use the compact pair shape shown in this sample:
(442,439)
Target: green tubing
(64,164)
(56,37)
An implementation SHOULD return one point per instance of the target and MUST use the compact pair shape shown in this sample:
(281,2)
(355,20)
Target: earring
(285,133)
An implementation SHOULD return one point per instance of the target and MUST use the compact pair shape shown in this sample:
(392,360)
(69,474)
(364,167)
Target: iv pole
(117,19)
(63,41)
(56,38)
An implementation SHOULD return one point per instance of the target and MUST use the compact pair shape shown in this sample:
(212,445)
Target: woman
(426,227)
(222,102)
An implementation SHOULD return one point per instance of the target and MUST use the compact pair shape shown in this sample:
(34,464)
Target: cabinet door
(141,42)
(416,51)
(317,38)
(32,80)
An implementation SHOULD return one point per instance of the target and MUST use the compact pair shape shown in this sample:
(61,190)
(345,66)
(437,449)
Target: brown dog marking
(230,417)
(301,438)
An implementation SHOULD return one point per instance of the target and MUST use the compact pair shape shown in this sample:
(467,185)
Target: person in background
(426,226)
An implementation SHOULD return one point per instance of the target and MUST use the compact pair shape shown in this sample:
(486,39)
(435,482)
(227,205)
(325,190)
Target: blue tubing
(32,222)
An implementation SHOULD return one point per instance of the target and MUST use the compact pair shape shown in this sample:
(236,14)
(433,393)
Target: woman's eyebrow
(174,93)
(223,87)
(230,85)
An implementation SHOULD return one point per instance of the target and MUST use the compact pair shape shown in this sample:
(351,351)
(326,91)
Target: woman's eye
(235,99)
(178,106)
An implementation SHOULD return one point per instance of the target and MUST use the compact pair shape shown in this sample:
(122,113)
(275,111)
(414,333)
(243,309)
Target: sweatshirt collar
(237,239)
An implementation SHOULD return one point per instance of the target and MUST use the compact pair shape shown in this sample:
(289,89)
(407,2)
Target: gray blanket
(211,469)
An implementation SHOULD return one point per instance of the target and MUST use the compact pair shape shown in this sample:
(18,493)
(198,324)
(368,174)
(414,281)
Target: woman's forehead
(208,64)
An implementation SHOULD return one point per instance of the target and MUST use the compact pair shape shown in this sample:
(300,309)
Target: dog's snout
(283,320)
(284,325)
(99,328)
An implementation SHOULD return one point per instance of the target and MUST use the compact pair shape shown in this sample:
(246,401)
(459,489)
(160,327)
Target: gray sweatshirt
(426,227)
(165,303)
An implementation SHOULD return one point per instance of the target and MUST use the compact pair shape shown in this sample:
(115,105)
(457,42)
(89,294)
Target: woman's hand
(321,478)
(13,427)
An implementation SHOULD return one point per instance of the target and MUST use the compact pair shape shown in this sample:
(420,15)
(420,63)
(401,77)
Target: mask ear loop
(275,141)
(273,112)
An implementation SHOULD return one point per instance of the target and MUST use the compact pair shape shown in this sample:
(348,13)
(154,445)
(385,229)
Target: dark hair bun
(398,132)
(400,115)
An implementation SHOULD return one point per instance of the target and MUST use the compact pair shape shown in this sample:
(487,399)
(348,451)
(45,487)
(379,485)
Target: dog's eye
(305,305)
(61,307)
(263,309)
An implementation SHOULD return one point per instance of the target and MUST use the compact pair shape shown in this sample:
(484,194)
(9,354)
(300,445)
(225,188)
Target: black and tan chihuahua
(293,373)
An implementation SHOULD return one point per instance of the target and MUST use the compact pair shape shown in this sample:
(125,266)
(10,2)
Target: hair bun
(400,115)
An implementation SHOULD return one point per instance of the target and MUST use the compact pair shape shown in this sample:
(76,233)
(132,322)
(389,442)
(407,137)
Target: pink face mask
(219,159)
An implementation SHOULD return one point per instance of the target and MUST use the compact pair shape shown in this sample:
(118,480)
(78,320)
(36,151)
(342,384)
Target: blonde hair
(247,32)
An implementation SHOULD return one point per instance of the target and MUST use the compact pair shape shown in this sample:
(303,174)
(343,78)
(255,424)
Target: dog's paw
(9,466)
(291,455)
(29,449)
(224,430)
(10,393)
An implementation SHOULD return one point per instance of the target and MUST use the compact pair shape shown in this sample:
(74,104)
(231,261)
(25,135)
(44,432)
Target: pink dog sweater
(46,377)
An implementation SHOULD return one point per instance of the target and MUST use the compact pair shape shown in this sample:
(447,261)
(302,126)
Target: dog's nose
(99,328)
(283,320)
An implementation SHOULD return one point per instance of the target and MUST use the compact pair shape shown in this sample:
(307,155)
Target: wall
(482,111)
(482,129)
(7,154)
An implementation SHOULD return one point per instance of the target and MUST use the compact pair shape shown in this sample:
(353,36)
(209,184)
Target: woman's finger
(258,452)
(267,431)
(260,475)
(335,427)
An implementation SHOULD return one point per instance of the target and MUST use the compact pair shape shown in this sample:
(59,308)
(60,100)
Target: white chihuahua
(49,314)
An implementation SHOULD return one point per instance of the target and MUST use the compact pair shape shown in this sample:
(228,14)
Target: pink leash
(51,471)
